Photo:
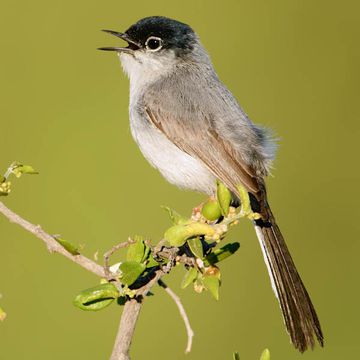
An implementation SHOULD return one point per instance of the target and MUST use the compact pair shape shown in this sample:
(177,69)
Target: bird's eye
(154,43)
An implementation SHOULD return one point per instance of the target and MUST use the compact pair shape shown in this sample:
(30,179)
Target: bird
(190,127)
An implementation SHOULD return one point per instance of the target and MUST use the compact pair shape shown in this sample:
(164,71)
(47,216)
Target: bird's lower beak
(132,45)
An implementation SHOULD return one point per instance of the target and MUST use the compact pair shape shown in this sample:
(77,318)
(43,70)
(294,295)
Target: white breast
(176,166)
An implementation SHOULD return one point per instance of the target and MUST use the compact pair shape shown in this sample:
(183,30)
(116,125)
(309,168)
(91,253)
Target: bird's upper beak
(132,45)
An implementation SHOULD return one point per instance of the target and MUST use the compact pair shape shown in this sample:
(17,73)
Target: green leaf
(151,262)
(175,217)
(196,247)
(2,314)
(97,297)
(146,253)
(189,277)
(212,283)
(236,356)
(20,169)
(265,355)
(71,248)
(246,210)
(131,270)
(211,210)
(178,234)
(17,169)
(222,253)
(136,250)
(224,197)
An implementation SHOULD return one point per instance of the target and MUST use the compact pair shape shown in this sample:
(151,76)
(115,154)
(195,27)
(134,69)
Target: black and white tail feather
(298,311)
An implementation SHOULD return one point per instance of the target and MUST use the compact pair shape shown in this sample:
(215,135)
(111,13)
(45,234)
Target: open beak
(132,45)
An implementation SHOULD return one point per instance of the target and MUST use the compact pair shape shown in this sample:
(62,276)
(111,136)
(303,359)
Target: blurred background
(293,65)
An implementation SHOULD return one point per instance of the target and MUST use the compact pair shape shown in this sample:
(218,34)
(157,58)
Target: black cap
(175,34)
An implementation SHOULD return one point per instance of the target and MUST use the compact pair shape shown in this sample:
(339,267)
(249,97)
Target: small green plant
(265,355)
(2,314)
(16,169)
(194,242)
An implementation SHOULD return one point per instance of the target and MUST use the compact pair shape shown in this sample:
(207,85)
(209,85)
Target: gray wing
(204,120)
(207,146)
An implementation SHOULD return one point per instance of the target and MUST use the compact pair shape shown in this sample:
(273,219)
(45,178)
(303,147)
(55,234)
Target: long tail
(298,311)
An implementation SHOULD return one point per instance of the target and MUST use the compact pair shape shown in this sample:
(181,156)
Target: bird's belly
(175,165)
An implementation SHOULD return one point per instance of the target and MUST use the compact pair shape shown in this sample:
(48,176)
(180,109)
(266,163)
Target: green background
(293,65)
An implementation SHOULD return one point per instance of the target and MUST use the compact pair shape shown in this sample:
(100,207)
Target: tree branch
(133,306)
(126,330)
(51,243)
(129,318)
(189,330)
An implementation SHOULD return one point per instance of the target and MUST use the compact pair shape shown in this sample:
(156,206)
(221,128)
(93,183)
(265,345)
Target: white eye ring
(153,41)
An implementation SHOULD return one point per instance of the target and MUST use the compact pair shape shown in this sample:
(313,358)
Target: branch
(126,330)
(190,242)
(132,306)
(129,318)
(189,330)
(51,243)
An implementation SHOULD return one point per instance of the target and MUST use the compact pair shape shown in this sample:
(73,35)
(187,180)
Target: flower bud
(211,210)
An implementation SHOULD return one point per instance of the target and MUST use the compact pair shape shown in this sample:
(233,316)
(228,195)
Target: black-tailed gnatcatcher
(191,128)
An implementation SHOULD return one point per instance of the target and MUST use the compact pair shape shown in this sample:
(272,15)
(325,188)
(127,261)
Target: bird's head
(156,44)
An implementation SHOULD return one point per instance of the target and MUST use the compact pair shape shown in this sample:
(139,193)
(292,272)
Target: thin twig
(189,330)
(51,243)
(113,250)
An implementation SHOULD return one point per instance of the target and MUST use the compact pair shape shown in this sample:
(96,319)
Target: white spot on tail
(261,239)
